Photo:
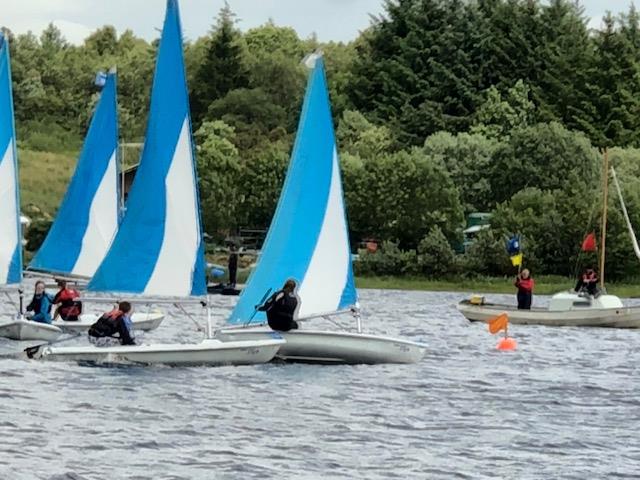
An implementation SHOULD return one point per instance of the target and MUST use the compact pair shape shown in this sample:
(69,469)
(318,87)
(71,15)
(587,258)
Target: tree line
(441,107)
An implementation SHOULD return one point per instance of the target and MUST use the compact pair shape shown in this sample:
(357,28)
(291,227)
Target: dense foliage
(442,108)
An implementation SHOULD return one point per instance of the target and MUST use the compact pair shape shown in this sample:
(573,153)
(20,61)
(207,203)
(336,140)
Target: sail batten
(10,229)
(88,216)
(308,237)
(158,249)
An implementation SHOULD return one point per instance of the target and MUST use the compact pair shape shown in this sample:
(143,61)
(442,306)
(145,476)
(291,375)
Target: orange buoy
(507,343)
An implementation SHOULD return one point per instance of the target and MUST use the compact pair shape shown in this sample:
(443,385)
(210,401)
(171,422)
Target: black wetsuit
(280,309)
(233,268)
(109,325)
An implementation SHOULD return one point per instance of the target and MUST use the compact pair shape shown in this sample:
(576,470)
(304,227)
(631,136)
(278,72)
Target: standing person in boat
(588,282)
(233,265)
(282,308)
(40,305)
(524,283)
(69,308)
(116,322)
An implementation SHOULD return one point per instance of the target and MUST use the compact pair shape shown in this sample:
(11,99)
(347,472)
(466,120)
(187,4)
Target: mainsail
(308,238)
(88,216)
(10,231)
(158,250)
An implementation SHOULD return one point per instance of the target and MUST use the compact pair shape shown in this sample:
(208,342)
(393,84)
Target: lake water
(566,404)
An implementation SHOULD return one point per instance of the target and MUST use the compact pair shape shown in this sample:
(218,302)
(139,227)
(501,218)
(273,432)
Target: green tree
(223,68)
(218,167)
(414,70)
(498,115)
(358,136)
(260,183)
(435,255)
(400,196)
(546,156)
(468,158)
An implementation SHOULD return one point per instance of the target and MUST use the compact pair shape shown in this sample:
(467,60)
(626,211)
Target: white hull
(622,317)
(28,330)
(141,321)
(209,352)
(315,346)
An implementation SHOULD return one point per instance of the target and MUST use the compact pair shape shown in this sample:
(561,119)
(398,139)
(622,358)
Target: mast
(605,194)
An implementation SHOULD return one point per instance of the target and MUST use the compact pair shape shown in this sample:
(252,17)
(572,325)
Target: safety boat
(566,309)
(570,308)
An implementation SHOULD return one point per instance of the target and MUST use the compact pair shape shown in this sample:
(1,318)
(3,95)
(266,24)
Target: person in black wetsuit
(113,327)
(281,308)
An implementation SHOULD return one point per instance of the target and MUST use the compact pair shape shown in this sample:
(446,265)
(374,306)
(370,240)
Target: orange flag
(498,323)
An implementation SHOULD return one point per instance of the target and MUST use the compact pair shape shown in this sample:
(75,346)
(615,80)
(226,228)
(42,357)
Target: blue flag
(513,245)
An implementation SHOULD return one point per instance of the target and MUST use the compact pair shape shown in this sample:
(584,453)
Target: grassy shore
(44,178)
(545,285)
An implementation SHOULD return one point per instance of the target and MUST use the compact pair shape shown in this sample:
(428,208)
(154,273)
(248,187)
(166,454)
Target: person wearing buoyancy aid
(524,283)
(69,308)
(40,305)
(281,308)
(113,328)
(588,282)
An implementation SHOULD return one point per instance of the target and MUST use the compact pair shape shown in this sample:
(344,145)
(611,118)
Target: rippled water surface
(565,405)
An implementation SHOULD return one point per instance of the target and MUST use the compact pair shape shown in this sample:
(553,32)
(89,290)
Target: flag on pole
(589,243)
(101,79)
(516,260)
(498,323)
(513,245)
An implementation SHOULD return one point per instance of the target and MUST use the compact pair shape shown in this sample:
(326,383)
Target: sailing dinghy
(158,250)
(10,228)
(85,224)
(308,241)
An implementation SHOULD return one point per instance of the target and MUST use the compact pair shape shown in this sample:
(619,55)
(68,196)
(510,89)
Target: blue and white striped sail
(158,250)
(308,238)
(88,217)
(10,230)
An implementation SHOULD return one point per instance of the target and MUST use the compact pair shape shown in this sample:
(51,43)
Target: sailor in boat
(588,283)
(524,283)
(113,328)
(69,308)
(40,305)
(282,308)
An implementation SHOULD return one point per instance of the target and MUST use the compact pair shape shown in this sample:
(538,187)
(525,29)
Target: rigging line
(632,234)
(181,308)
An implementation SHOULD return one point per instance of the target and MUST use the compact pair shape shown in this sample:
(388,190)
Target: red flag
(589,243)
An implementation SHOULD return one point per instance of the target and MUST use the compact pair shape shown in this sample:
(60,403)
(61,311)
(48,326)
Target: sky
(339,20)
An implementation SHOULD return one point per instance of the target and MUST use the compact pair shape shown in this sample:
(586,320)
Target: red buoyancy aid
(525,284)
(69,307)
(67,294)
(113,314)
(590,277)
